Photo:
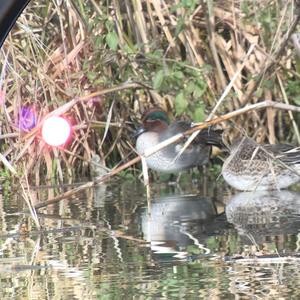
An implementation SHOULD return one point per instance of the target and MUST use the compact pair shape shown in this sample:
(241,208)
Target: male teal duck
(251,166)
(157,128)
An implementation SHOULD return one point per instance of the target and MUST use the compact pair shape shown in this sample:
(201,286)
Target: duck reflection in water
(263,216)
(177,222)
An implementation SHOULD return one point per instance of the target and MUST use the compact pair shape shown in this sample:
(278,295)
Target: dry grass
(181,55)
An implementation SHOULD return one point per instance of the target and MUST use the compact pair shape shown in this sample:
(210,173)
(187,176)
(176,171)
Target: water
(199,242)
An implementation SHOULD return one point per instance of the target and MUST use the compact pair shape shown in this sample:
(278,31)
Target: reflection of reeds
(77,256)
(97,64)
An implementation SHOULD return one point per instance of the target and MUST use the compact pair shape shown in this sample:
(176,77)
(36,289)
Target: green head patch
(157,115)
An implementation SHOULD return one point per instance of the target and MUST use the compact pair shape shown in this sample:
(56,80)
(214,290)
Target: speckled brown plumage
(251,166)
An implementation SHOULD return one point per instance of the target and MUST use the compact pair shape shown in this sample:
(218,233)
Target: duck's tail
(212,137)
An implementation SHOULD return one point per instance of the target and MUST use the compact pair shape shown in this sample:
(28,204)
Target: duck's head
(154,120)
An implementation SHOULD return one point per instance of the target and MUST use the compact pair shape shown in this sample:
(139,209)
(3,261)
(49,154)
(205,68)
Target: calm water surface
(197,242)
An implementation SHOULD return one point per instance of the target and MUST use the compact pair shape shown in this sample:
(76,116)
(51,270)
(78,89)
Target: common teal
(156,128)
(251,166)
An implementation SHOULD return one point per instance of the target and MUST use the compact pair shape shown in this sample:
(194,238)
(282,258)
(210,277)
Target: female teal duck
(156,128)
(251,166)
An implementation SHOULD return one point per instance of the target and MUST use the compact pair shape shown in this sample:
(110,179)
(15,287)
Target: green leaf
(199,114)
(91,75)
(178,75)
(179,26)
(128,49)
(190,87)
(155,55)
(200,88)
(112,40)
(297,64)
(245,8)
(181,103)
(158,79)
(98,41)
(296,100)
(259,92)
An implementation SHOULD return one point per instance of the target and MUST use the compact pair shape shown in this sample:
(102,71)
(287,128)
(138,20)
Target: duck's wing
(207,136)
(178,127)
(288,154)
(212,137)
(175,128)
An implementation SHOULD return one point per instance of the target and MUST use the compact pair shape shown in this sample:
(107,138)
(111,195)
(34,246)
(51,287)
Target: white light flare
(56,131)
